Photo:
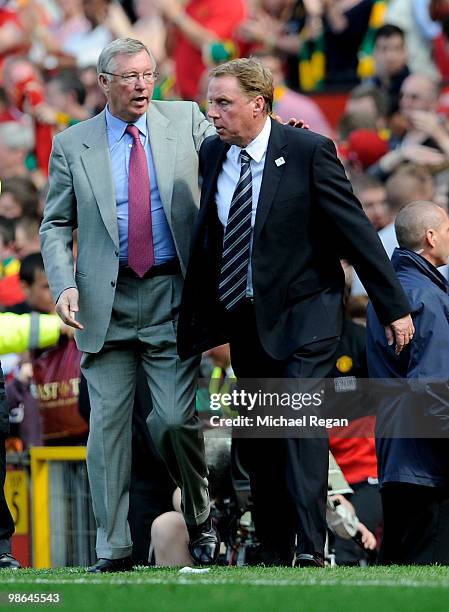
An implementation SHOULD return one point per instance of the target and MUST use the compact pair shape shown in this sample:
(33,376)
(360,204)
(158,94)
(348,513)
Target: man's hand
(297,123)
(400,331)
(66,330)
(426,122)
(67,306)
(422,155)
(368,539)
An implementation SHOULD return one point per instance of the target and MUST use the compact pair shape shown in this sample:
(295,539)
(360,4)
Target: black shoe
(7,561)
(261,556)
(204,544)
(307,560)
(111,565)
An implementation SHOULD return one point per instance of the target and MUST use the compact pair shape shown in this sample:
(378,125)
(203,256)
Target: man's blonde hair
(254,79)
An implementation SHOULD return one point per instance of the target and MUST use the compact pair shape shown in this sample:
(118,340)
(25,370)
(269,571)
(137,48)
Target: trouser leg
(6,521)
(110,376)
(173,423)
(308,457)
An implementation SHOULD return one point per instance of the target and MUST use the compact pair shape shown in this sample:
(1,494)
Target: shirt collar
(117,126)
(257,147)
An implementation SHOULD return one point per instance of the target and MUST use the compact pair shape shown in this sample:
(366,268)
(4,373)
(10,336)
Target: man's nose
(212,112)
(140,82)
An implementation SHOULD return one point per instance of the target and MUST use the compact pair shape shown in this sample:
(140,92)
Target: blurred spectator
(414,19)
(364,148)
(95,100)
(72,21)
(345,26)
(390,57)
(198,25)
(368,99)
(11,292)
(27,236)
(422,131)
(287,103)
(7,247)
(6,112)
(151,29)
(53,24)
(24,87)
(16,142)
(408,183)
(108,21)
(349,122)
(21,332)
(284,26)
(439,10)
(373,197)
(35,284)
(18,197)
(65,95)
(13,37)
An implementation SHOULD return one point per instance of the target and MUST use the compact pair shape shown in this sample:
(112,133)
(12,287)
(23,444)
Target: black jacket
(307,218)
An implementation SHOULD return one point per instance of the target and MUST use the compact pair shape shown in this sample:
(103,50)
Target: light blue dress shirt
(120,143)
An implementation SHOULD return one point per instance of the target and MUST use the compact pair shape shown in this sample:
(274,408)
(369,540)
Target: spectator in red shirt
(201,23)
(13,38)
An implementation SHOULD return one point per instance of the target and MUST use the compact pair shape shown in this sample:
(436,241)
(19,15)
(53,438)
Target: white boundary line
(225,582)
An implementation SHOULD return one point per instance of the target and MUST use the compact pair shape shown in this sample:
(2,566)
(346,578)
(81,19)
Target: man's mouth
(140,99)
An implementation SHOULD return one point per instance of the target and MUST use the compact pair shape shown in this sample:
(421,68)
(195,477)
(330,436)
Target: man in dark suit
(276,213)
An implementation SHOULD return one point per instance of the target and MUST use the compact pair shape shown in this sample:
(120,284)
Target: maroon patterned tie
(140,234)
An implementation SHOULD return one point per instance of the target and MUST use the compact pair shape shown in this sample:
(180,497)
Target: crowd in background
(370,74)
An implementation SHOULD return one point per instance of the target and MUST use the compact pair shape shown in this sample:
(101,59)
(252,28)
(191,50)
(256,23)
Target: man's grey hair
(120,46)
(17,135)
(414,220)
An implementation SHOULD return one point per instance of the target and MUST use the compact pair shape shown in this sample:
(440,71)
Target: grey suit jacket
(81,195)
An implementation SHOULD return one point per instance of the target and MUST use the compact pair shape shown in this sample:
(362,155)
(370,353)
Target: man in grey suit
(128,181)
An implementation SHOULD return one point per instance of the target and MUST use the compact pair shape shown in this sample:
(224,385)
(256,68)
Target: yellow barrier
(40,458)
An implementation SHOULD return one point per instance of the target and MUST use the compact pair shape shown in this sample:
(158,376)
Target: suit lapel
(208,216)
(210,179)
(272,174)
(163,142)
(97,164)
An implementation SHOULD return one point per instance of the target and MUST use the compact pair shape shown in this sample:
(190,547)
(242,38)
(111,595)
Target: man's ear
(25,288)
(430,237)
(104,83)
(259,105)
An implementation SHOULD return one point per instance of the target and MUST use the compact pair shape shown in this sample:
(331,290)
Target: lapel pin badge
(279,161)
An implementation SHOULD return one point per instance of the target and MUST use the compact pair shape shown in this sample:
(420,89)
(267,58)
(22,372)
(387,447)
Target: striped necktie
(237,238)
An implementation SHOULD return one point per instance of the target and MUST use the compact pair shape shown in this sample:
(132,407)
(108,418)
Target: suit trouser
(142,330)
(416,524)
(6,520)
(288,476)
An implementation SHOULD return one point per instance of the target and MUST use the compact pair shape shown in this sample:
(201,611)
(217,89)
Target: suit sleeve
(58,224)
(364,249)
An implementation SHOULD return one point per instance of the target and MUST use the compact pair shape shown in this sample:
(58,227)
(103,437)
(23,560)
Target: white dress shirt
(229,177)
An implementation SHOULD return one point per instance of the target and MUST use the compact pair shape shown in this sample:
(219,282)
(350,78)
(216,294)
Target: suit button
(112,283)
(116,253)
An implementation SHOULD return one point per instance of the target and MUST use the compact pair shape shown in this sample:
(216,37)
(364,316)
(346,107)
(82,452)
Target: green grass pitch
(376,589)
